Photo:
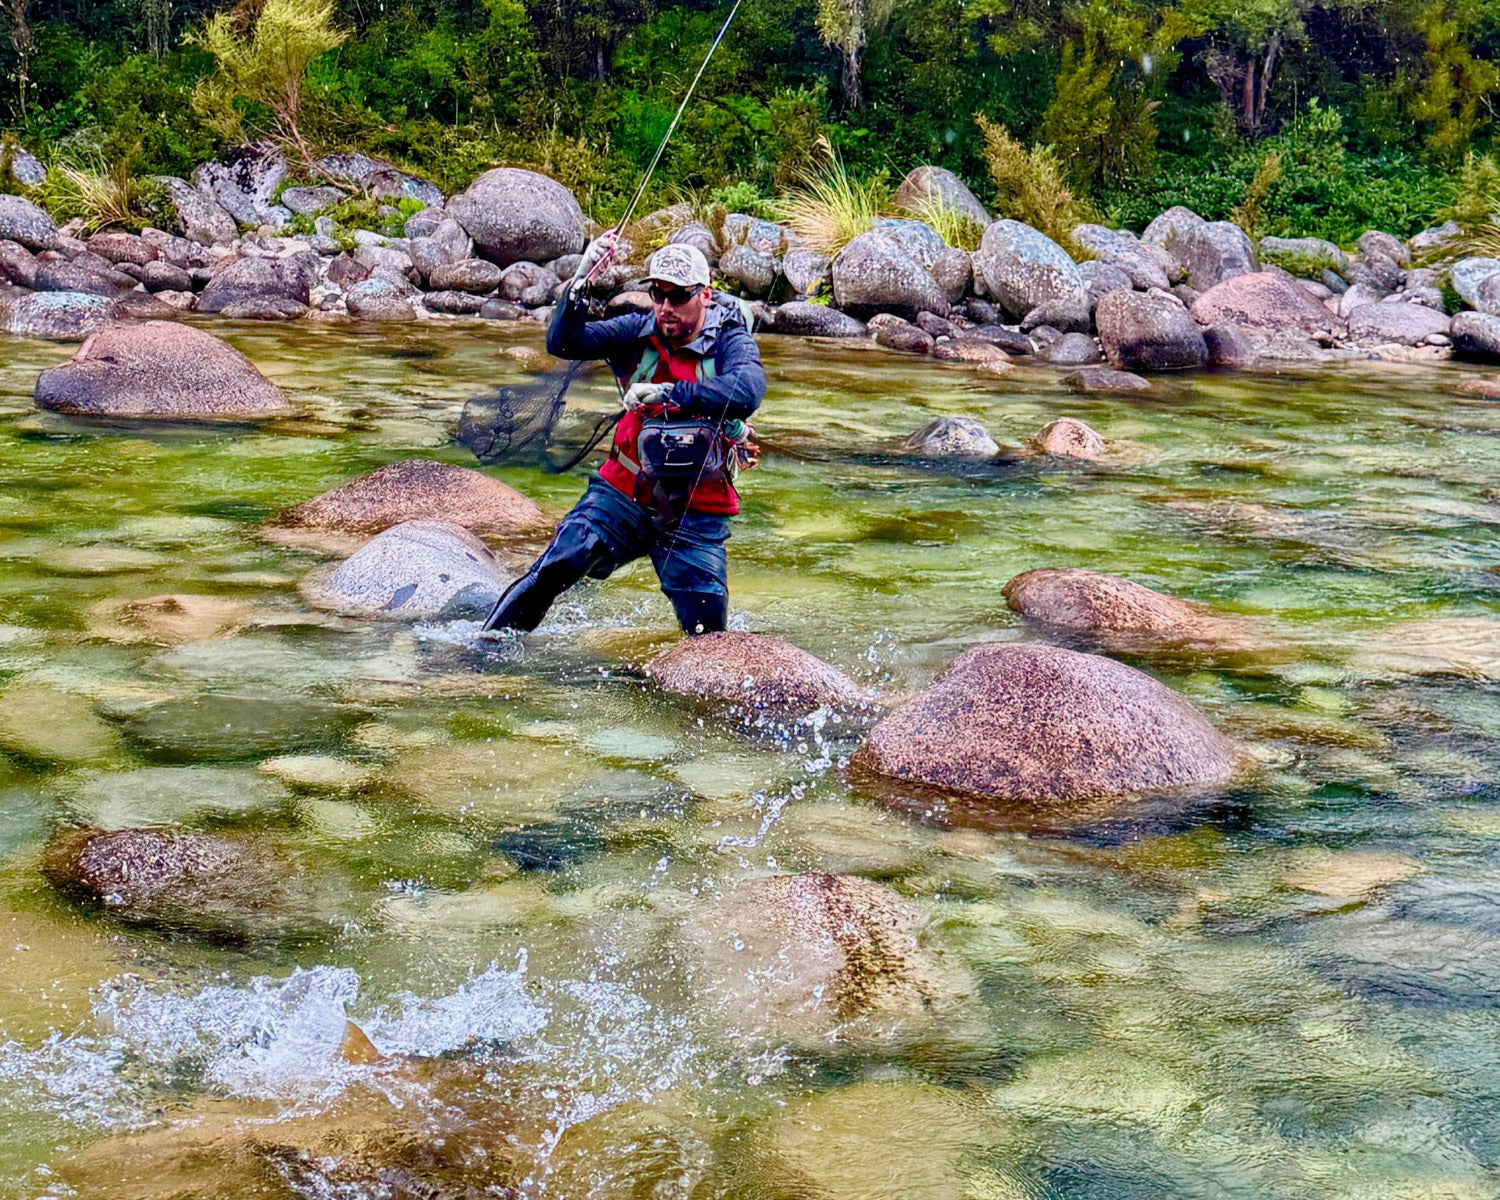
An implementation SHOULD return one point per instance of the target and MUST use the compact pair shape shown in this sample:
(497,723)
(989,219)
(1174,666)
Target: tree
(264,65)
(846,25)
(21,41)
(1453,83)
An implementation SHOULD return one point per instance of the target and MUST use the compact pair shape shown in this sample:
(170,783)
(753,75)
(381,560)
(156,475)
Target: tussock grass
(102,195)
(955,227)
(831,207)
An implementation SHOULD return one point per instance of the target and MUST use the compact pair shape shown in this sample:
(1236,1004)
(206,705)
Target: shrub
(1029,185)
(1249,214)
(265,67)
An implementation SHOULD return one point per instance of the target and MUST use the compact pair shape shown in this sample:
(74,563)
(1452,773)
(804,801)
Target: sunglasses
(676,297)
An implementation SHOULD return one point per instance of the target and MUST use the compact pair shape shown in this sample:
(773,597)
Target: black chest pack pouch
(683,452)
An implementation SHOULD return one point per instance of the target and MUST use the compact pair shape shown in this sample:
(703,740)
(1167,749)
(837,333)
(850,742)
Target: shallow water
(1286,991)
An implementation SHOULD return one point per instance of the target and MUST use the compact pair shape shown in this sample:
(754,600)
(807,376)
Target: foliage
(262,62)
(1302,265)
(102,195)
(832,207)
(1249,214)
(955,227)
(1476,201)
(1029,185)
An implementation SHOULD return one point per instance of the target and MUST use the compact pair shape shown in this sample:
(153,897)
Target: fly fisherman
(691,377)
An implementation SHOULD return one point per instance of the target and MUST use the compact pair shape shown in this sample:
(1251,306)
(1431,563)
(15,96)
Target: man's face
(679,310)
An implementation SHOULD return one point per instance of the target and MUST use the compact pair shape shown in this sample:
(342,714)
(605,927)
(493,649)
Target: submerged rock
(820,960)
(1463,646)
(1126,615)
(46,724)
(953,437)
(1104,379)
(414,570)
(753,671)
(838,1145)
(415,489)
(1067,438)
(175,619)
(1015,726)
(203,883)
(170,796)
(159,370)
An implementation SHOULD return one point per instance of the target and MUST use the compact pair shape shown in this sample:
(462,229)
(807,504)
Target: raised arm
(572,335)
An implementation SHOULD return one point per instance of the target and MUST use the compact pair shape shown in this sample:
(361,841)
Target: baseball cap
(683,265)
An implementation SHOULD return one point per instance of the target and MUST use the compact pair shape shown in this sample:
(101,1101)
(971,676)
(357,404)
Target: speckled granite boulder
(1029,725)
(757,672)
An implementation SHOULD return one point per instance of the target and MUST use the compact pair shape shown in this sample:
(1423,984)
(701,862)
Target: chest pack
(683,451)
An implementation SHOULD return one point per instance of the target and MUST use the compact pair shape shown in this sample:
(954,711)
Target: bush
(1029,185)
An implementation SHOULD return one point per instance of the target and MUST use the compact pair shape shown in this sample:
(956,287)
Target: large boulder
(1394,321)
(17,264)
(237,280)
(159,369)
(243,181)
(927,187)
(119,247)
(818,960)
(56,274)
(413,571)
(754,672)
(1468,273)
(1148,331)
(953,437)
(216,884)
(1476,336)
(61,316)
(1022,268)
(1305,256)
(1146,265)
(1012,727)
(1210,251)
(415,489)
(22,221)
(519,216)
(1123,615)
(805,319)
(200,218)
(877,272)
(1263,313)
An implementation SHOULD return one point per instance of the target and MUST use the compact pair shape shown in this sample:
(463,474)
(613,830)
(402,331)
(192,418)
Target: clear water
(1169,1007)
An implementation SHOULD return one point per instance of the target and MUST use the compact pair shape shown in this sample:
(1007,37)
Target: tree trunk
(22,43)
(853,98)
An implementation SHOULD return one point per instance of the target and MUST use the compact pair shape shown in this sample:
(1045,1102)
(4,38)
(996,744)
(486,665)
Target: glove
(642,394)
(597,253)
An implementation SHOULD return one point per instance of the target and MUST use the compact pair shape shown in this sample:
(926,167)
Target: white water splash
(269,1039)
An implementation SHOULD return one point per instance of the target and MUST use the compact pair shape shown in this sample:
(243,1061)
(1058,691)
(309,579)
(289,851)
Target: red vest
(620,469)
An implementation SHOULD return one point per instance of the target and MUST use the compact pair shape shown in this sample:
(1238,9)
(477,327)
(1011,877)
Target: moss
(1303,266)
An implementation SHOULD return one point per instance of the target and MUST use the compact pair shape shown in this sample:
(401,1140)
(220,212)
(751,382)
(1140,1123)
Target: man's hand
(596,255)
(643,394)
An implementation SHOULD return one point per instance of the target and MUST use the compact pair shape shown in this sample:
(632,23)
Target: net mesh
(531,425)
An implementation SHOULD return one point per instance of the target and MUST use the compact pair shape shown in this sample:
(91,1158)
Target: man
(690,359)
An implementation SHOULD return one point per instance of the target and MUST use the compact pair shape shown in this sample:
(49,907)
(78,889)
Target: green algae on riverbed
(1287,991)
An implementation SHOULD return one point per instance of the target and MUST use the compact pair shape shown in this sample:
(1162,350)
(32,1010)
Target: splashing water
(271,1039)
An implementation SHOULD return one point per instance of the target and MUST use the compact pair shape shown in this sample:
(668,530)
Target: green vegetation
(832,207)
(1292,116)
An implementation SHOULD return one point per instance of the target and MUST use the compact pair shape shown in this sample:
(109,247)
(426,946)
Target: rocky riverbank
(1186,293)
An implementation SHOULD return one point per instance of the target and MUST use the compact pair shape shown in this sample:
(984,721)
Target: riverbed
(1288,990)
